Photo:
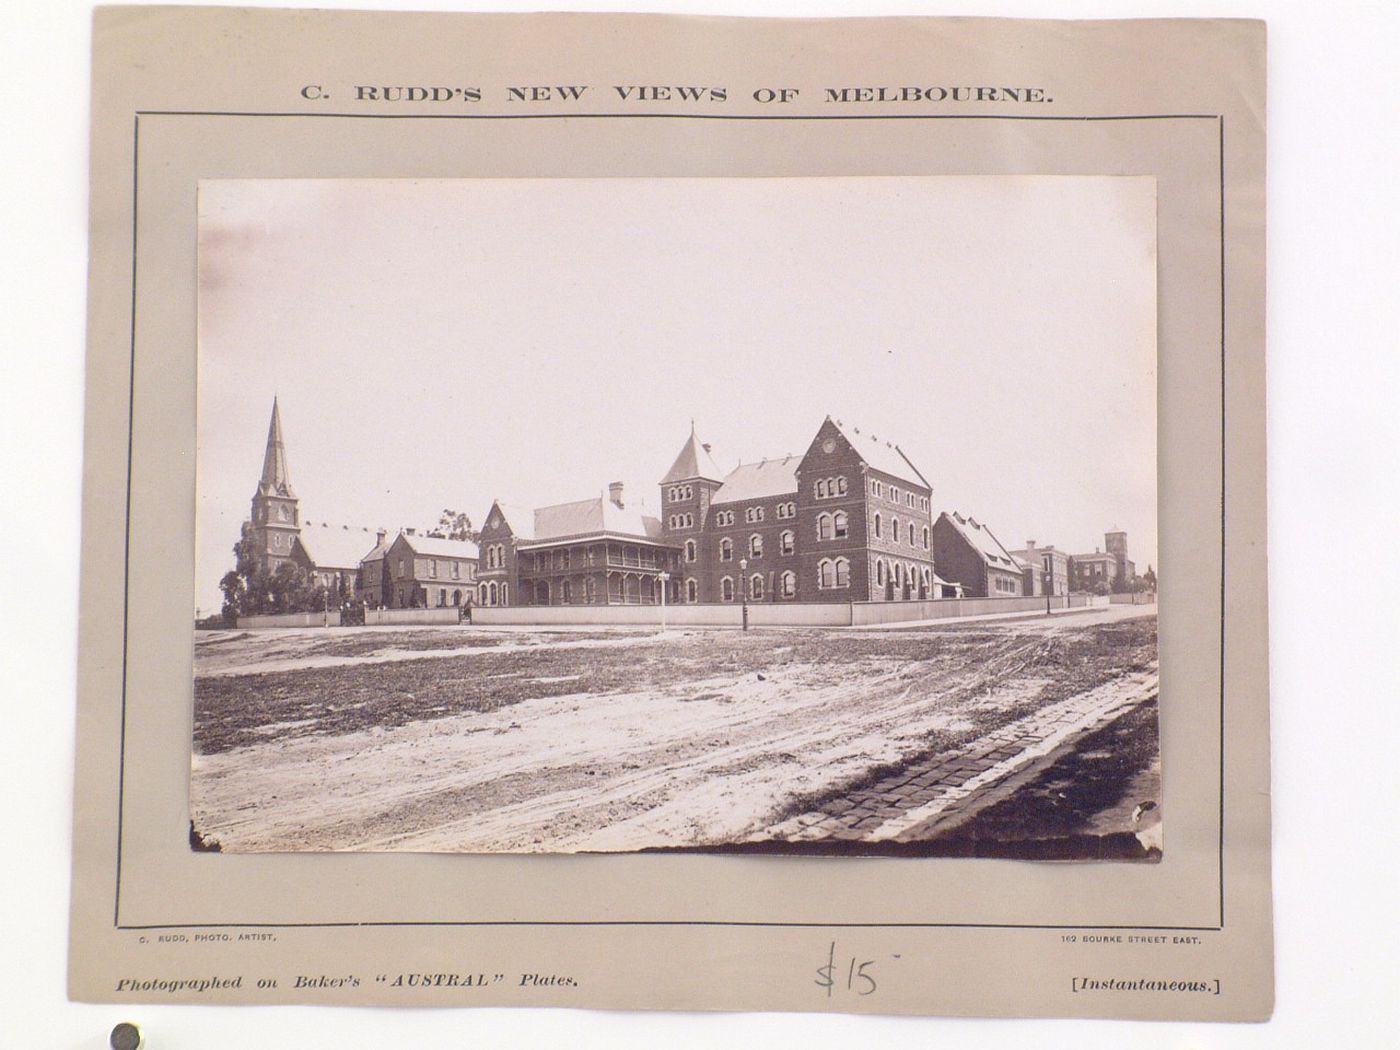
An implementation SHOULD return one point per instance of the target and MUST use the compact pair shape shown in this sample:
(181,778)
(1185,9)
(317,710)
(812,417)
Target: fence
(379,617)
(767,614)
(1145,598)
(761,614)
(303,619)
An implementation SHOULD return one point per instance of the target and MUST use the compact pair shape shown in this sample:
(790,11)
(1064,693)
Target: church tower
(275,518)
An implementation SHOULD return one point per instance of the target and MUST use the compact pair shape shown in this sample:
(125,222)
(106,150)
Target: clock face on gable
(829,445)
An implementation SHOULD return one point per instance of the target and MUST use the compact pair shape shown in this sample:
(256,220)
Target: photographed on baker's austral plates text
(699,550)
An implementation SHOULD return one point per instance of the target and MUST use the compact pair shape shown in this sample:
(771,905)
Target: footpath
(927,798)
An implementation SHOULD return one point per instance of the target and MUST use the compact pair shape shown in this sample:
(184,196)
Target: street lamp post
(744,589)
(1049,583)
(663,576)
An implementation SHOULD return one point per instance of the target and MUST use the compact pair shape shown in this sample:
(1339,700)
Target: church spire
(276,481)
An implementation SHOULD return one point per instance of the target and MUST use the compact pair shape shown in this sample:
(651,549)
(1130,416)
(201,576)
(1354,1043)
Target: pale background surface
(1333,430)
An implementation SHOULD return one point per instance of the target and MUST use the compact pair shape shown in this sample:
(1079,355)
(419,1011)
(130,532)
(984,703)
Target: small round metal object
(127,1036)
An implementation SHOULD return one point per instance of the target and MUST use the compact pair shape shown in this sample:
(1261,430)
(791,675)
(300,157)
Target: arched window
(894,530)
(785,542)
(843,572)
(788,584)
(880,573)
(841,524)
(755,546)
(840,486)
(911,534)
(877,525)
(824,526)
(925,537)
(456,597)
(726,589)
(726,549)
(690,551)
(826,577)
(756,587)
(493,597)
(821,488)
(692,591)
(505,594)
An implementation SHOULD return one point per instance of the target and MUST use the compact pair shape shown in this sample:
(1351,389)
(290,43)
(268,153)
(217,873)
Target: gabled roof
(884,456)
(762,480)
(275,480)
(436,547)
(980,538)
(592,517)
(520,519)
(336,546)
(693,462)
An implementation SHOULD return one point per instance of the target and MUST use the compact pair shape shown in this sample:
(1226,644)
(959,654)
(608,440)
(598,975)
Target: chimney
(1030,545)
(706,446)
(615,493)
(382,535)
(411,532)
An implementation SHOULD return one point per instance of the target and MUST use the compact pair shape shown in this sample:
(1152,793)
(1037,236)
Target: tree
(454,525)
(1150,578)
(246,586)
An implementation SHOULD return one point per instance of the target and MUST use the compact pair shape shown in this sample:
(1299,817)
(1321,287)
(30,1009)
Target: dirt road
(487,742)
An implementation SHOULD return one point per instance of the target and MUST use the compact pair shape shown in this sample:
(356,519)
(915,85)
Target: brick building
(427,572)
(1047,568)
(969,554)
(333,554)
(597,551)
(1109,569)
(849,520)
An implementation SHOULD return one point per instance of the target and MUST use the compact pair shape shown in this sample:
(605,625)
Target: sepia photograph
(801,516)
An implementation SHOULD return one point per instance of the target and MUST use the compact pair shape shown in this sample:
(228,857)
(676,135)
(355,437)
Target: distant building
(333,555)
(427,572)
(1109,569)
(372,575)
(1047,569)
(967,553)
(596,551)
(848,520)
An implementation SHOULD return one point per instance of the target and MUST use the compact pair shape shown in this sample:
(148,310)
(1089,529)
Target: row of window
(681,521)
(1005,585)
(910,499)
(677,493)
(496,556)
(899,573)
(913,533)
(829,488)
(456,568)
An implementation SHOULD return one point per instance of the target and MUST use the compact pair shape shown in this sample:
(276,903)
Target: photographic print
(806,516)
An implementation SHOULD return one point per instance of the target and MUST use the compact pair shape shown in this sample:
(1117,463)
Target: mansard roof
(762,480)
(884,456)
(275,480)
(981,540)
(693,462)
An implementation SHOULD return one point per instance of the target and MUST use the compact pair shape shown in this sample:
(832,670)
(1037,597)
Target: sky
(441,343)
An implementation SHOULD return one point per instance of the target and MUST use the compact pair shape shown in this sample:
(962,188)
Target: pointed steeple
(693,462)
(276,481)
